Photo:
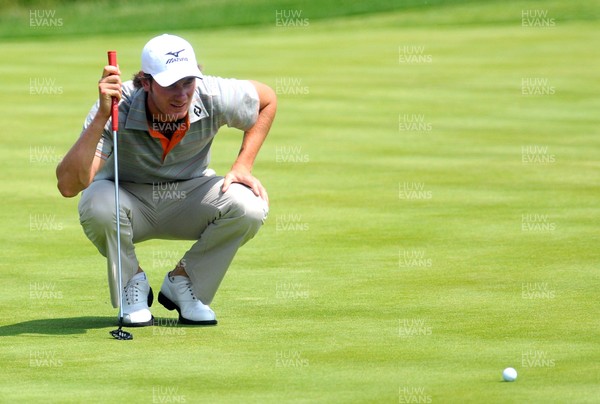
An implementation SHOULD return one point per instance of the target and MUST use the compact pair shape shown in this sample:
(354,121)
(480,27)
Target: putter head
(121,335)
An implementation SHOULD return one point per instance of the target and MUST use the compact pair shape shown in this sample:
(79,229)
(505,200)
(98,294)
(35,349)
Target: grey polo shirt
(217,102)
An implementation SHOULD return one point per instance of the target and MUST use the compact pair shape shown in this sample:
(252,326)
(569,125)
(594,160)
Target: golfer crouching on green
(169,115)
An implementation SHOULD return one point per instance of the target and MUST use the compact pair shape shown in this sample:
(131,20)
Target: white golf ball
(509,375)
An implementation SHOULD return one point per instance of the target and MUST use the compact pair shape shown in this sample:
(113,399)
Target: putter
(119,333)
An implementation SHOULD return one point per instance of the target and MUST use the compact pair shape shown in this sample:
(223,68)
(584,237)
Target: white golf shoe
(137,297)
(177,293)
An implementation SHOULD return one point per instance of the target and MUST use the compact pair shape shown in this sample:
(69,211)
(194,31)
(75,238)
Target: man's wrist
(101,118)
(238,165)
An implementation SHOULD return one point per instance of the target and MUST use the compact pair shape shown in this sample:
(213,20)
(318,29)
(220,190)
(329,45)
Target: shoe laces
(188,288)
(132,292)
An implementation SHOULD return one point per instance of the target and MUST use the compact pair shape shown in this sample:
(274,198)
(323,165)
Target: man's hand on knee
(243,176)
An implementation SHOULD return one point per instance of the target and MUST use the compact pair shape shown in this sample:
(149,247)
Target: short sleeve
(237,102)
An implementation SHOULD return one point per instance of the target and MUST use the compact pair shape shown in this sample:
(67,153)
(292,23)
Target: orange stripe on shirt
(168,145)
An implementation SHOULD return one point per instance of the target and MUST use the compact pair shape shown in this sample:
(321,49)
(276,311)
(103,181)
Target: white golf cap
(169,58)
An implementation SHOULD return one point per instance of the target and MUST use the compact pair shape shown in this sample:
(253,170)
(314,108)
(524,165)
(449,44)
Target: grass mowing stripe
(22,19)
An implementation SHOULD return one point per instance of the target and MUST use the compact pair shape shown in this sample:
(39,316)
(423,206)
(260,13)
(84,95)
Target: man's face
(169,104)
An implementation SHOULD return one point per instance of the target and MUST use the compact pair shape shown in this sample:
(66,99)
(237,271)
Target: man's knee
(250,208)
(97,204)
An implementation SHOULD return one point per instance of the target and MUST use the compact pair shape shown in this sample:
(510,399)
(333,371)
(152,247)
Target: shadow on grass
(57,326)
(80,325)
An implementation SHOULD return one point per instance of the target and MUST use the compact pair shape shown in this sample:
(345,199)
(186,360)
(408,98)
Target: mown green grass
(44,18)
(345,258)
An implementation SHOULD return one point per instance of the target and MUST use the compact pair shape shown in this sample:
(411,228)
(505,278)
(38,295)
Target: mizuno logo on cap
(175,57)
(175,53)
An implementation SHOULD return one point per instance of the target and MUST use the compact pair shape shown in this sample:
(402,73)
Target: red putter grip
(112,60)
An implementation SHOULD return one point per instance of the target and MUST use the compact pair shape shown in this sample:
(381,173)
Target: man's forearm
(255,136)
(78,168)
(75,171)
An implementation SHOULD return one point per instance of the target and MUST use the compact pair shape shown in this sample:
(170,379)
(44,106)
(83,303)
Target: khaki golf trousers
(195,209)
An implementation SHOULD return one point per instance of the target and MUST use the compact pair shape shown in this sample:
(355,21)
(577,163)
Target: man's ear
(146,84)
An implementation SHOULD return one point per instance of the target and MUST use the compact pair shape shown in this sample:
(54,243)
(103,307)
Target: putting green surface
(433,175)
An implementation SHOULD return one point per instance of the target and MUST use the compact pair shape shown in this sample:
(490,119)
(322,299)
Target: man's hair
(139,76)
